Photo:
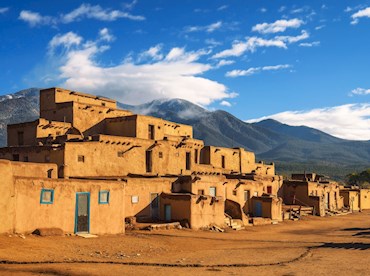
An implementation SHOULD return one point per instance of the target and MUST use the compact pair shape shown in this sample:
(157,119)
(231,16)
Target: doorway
(154,206)
(167,212)
(82,220)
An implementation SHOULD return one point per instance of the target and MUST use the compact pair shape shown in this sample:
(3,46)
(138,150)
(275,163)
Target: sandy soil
(312,246)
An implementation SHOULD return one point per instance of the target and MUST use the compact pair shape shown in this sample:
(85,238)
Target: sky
(299,62)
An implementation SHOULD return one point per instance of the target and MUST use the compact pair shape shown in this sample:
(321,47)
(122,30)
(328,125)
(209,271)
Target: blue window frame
(47,196)
(104,197)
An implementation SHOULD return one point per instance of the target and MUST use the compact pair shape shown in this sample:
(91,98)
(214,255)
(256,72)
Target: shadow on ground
(355,245)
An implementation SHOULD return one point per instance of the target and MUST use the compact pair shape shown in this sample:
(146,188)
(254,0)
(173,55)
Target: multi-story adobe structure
(85,165)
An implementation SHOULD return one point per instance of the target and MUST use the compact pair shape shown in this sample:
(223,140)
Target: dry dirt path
(313,246)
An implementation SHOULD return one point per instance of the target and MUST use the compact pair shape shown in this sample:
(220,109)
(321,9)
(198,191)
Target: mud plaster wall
(31,214)
(365,199)
(7,192)
(206,212)
(142,188)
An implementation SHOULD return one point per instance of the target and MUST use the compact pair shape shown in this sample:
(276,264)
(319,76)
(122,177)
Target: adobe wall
(351,199)
(32,131)
(36,154)
(236,189)
(29,130)
(365,199)
(180,207)
(143,188)
(31,214)
(271,207)
(117,156)
(7,202)
(206,212)
(50,96)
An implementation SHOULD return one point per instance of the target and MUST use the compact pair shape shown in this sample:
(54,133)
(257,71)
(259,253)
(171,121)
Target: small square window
(135,199)
(103,197)
(160,154)
(81,158)
(120,153)
(47,196)
(234,192)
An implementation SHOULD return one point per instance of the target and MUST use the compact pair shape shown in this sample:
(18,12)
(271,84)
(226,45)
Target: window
(160,154)
(15,157)
(188,161)
(151,132)
(20,138)
(120,153)
(269,189)
(103,104)
(212,191)
(81,158)
(200,192)
(196,153)
(223,161)
(235,192)
(47,196)
(148,160)
(103,197)
(135,199)
(25,158)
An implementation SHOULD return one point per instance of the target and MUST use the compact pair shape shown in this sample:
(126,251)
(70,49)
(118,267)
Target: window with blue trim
(103,197)
(47,196)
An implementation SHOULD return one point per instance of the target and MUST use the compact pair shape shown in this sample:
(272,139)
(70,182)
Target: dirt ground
(312,246)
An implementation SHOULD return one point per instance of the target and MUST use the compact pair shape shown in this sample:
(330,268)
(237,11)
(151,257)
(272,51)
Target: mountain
(16,108)
(292,148)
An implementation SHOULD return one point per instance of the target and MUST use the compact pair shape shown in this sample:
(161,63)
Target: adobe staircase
(235,224)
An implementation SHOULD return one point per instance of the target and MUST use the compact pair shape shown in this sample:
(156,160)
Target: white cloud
(213,42)
(97,12)
(309,44)
(350,121)
(361,13)
(221,8)
(208,28)
(254,70)
(263,10)
(226,103)
(293,39)
(224,62)
(106,35)
(34,18)
(83,11)
(251,44)
(178,74)
(281,9)
(4,10)
(360,91)
(319,27)
(67,40)
(277,26)
(153,53)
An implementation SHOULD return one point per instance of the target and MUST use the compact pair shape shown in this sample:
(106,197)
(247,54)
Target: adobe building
(355,199)
(314,191)
(106,162)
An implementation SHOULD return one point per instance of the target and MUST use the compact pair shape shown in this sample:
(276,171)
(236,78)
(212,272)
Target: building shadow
(355,229)
(354,246)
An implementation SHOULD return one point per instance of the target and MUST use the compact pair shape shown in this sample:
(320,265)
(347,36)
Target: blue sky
(300,62)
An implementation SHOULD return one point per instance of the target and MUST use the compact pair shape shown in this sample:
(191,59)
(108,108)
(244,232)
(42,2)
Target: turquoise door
(167,212)
(258,209)
(82,216)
